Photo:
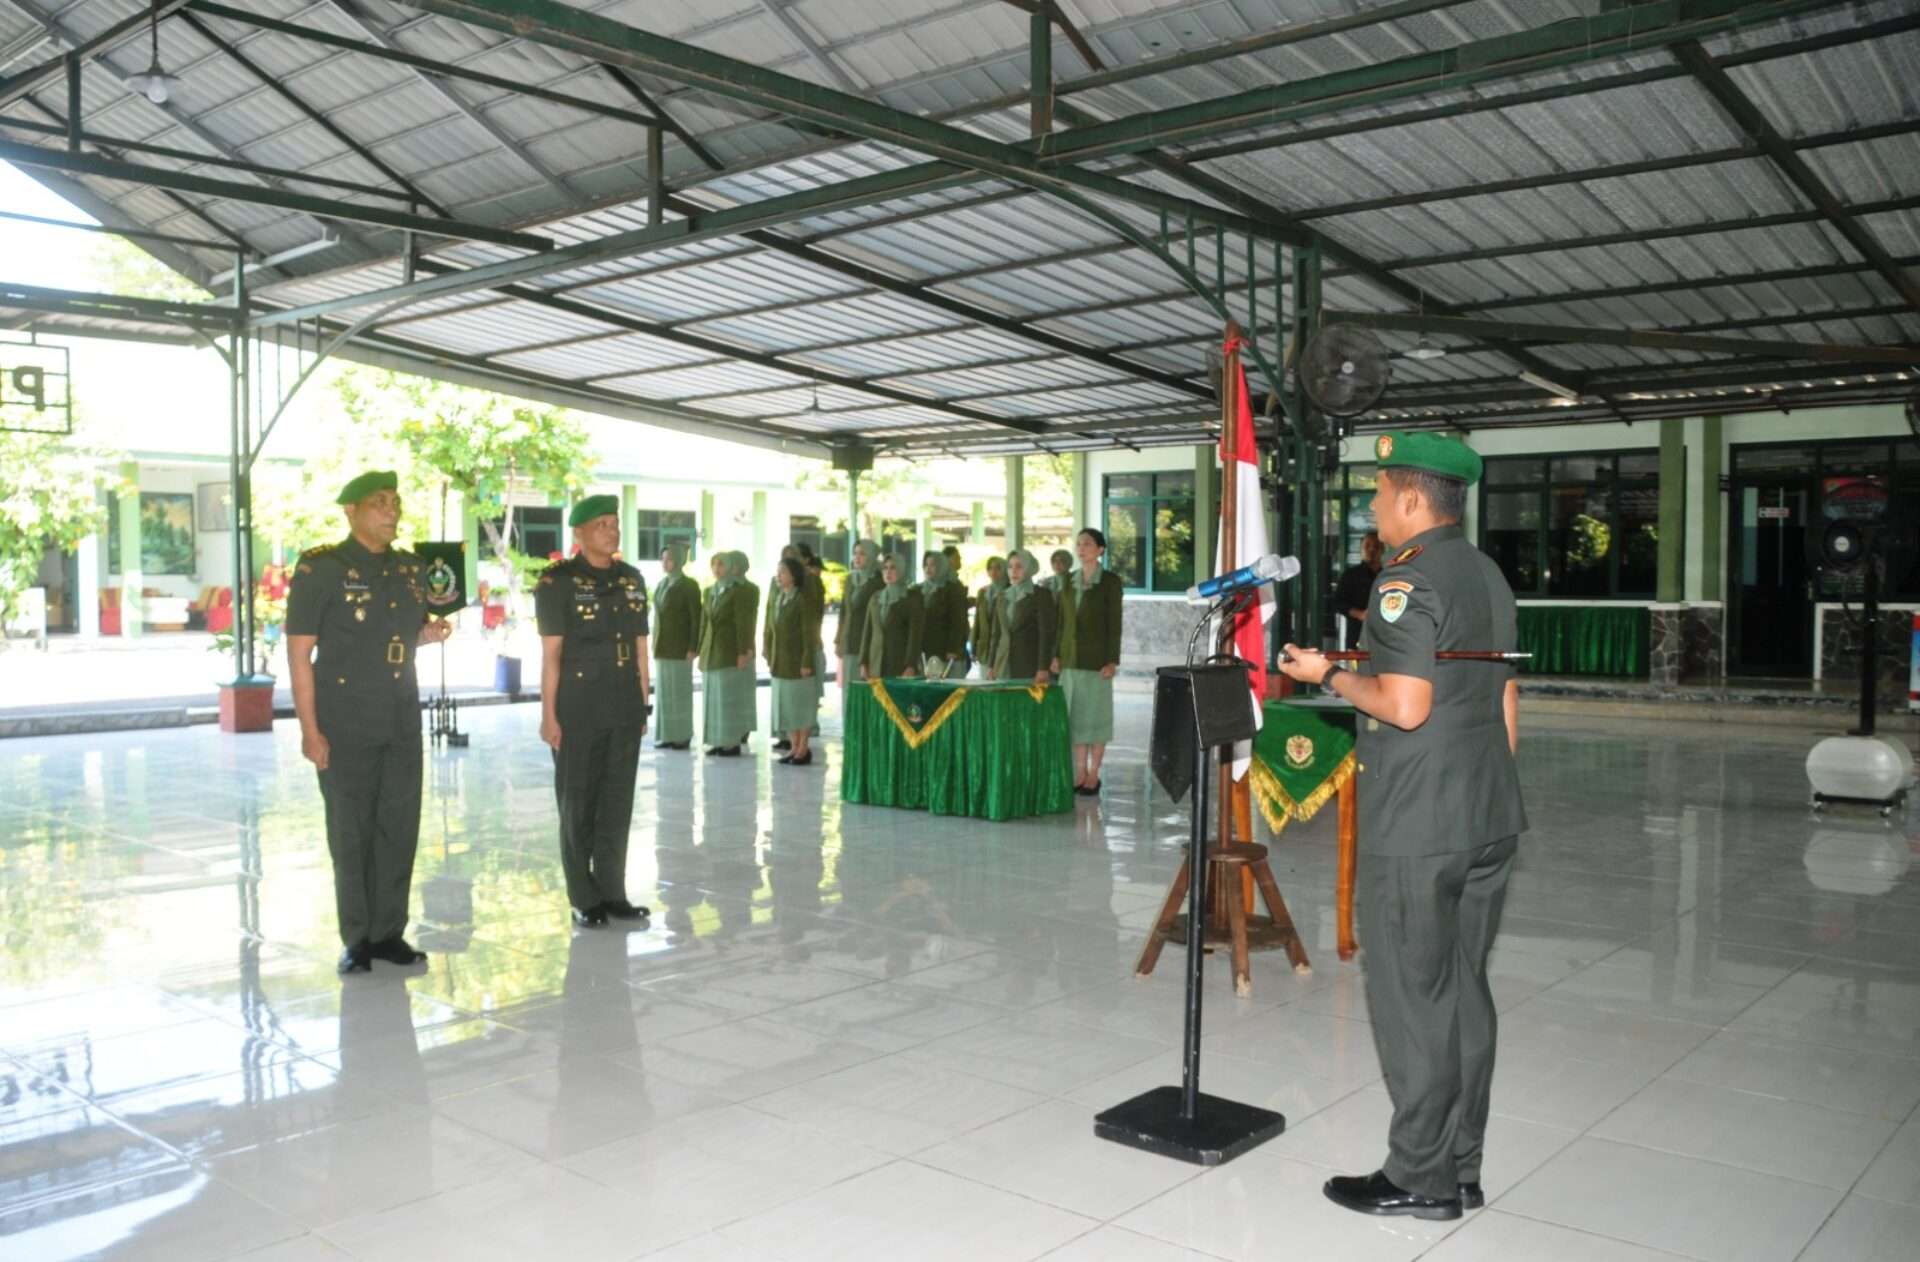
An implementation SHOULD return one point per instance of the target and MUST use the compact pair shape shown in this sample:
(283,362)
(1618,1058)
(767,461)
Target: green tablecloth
(992,751)
(1585,640)
(1302,756)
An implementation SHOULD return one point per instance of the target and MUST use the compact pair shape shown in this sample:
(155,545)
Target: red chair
(110,611)
(220,612)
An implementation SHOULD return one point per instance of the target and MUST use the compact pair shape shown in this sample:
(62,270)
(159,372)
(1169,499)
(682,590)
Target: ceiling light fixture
(1425,349)
(1551,387)
(154,83)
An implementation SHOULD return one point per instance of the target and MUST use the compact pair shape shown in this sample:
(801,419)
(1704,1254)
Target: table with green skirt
(1606,640)
(1303,756)
(990,750)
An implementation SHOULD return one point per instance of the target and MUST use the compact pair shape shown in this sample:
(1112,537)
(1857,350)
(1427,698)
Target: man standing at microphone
(1440,819)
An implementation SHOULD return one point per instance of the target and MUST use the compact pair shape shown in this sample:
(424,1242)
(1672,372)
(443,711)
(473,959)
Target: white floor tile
(896,1105)
(1866,1230)
(181,1215)
(1111,1244)
(1834,1078)
(581,1103)
(1681,1204)
(1895,1173)
(1755,1132)
(546,1212)
(905,1210)
(1039,1050)
(1492,1236)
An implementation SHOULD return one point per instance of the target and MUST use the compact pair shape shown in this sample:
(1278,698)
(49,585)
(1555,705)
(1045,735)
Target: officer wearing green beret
(356,616)
(592,611)
(1440,820)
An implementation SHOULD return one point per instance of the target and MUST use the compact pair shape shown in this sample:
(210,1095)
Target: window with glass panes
(537,531)
(1574,526)
(654,529)
(1148,521)
(1349,514)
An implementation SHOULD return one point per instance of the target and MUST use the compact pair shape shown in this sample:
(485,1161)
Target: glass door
(1773,614)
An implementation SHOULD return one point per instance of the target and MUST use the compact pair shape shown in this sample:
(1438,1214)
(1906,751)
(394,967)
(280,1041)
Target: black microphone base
(1219,1131)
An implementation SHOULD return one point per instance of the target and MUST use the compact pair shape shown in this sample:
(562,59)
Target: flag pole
(1230,789)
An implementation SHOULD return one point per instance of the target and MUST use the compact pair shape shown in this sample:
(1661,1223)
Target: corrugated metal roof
(963,295)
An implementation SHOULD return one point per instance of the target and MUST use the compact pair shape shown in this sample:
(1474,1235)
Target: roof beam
(1685,284)
(1651,339)
(36,77)
(1749,118)
(321,208)
(818,55)
(318,117)
(632,87)
(1092,59)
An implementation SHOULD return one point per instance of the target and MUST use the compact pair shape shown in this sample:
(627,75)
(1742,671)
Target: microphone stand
(1182,1122)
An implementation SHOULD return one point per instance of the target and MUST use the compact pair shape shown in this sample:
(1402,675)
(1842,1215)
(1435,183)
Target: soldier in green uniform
(944,635)
(676,645)
(1440,819)
(986,622)
(726,656)
(361,604)
(592,612)
(863,580)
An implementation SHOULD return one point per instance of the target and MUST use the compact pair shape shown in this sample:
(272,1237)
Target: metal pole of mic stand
(1196,936)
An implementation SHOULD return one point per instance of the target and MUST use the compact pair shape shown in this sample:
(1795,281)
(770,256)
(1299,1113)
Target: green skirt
(1089,706)
(672,700)
(796,703)
(730,710)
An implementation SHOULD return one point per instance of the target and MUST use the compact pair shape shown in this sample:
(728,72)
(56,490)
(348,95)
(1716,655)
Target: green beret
(594,506)
(366,484)
(1435,453)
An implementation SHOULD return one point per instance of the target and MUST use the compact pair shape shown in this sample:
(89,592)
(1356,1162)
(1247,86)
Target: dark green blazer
(727,634)
(1090,624)
(792,634)
(946,625)
(849,637)
(1031,635)
(677,617)
(893,644)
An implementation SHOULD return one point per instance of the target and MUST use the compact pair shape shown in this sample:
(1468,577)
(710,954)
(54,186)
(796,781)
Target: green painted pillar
(132,582)
(853,513)
(1713,508)
(707,544)
(1081,512)
(629,508)
(1016,502)
(476,540)
(977,530)
(923,538)
(1206,509)
(1671,584)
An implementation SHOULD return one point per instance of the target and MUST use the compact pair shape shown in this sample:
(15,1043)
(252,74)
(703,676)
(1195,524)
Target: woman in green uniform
(746,711)
(789,651)
(944,640)
(1023,643)
(726,656)
(863,580)
(676,644)
(1062,563)
(1089,651)
(896,619)
(986,623)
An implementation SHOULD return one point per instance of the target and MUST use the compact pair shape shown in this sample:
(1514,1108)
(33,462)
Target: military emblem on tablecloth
(1383,447)
(1299,752)
(915,715)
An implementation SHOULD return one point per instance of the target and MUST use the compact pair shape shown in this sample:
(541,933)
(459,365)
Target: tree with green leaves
(51,494)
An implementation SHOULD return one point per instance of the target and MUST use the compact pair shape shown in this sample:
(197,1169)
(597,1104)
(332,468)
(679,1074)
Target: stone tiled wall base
(1841,641)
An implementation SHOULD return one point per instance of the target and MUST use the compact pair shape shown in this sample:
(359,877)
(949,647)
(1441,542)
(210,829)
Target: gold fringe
(1278,806)
(915,739)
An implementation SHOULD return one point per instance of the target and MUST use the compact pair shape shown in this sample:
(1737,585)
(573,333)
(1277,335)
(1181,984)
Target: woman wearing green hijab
(790,660)
(944,641)
(1023,642)
(896,619)
(986,623)
(863,580)
(1062,563)
(1089,650)
(726,656)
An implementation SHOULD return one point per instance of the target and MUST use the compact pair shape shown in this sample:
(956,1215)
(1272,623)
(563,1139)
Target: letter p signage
(35,388)
(28,385)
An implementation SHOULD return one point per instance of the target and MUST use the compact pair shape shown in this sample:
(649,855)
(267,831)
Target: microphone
(1268,569)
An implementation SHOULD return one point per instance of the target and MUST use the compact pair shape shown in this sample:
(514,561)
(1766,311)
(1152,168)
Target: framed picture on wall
(215,505)
(166,535)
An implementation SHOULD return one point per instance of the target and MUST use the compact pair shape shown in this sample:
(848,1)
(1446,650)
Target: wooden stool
(1224,865)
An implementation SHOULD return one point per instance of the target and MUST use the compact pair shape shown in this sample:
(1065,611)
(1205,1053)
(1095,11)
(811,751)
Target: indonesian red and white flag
(1240,461)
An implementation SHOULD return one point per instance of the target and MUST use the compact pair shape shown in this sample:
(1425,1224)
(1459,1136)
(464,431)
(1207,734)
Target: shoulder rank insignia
(546,579)
(1406,554)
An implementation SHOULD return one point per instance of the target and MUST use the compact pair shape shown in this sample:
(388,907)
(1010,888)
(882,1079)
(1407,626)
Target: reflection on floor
(859,1033)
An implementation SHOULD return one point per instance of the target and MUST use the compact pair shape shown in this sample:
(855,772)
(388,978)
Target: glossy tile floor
(864,1034)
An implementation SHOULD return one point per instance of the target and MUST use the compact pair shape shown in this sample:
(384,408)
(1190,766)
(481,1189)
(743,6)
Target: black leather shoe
(1377,1194)
(783,745)
(396,951)
(785,759)
(591,918)
(355,959)
(804,760)
(1472,1196)
(728,751)
(624,910)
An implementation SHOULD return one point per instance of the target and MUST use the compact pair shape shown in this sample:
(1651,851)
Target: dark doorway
(1772,498)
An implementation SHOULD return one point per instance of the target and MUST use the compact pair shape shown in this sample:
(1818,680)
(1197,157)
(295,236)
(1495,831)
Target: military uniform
(677,616)
(850,636)
(1440,818)
(601,616)
(366,610)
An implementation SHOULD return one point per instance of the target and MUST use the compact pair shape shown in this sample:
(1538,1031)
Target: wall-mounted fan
(1345,370)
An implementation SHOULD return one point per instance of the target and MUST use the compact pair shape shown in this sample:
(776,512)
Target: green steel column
(761,556)
(1309,481)
(131,580)
(1080,512)
(629,513)
(1713,508)
(977,529)
(470,534)
(1040,69)
(853,513)
(1670,586)
(707,543)
(1206,507)
(1016,502)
